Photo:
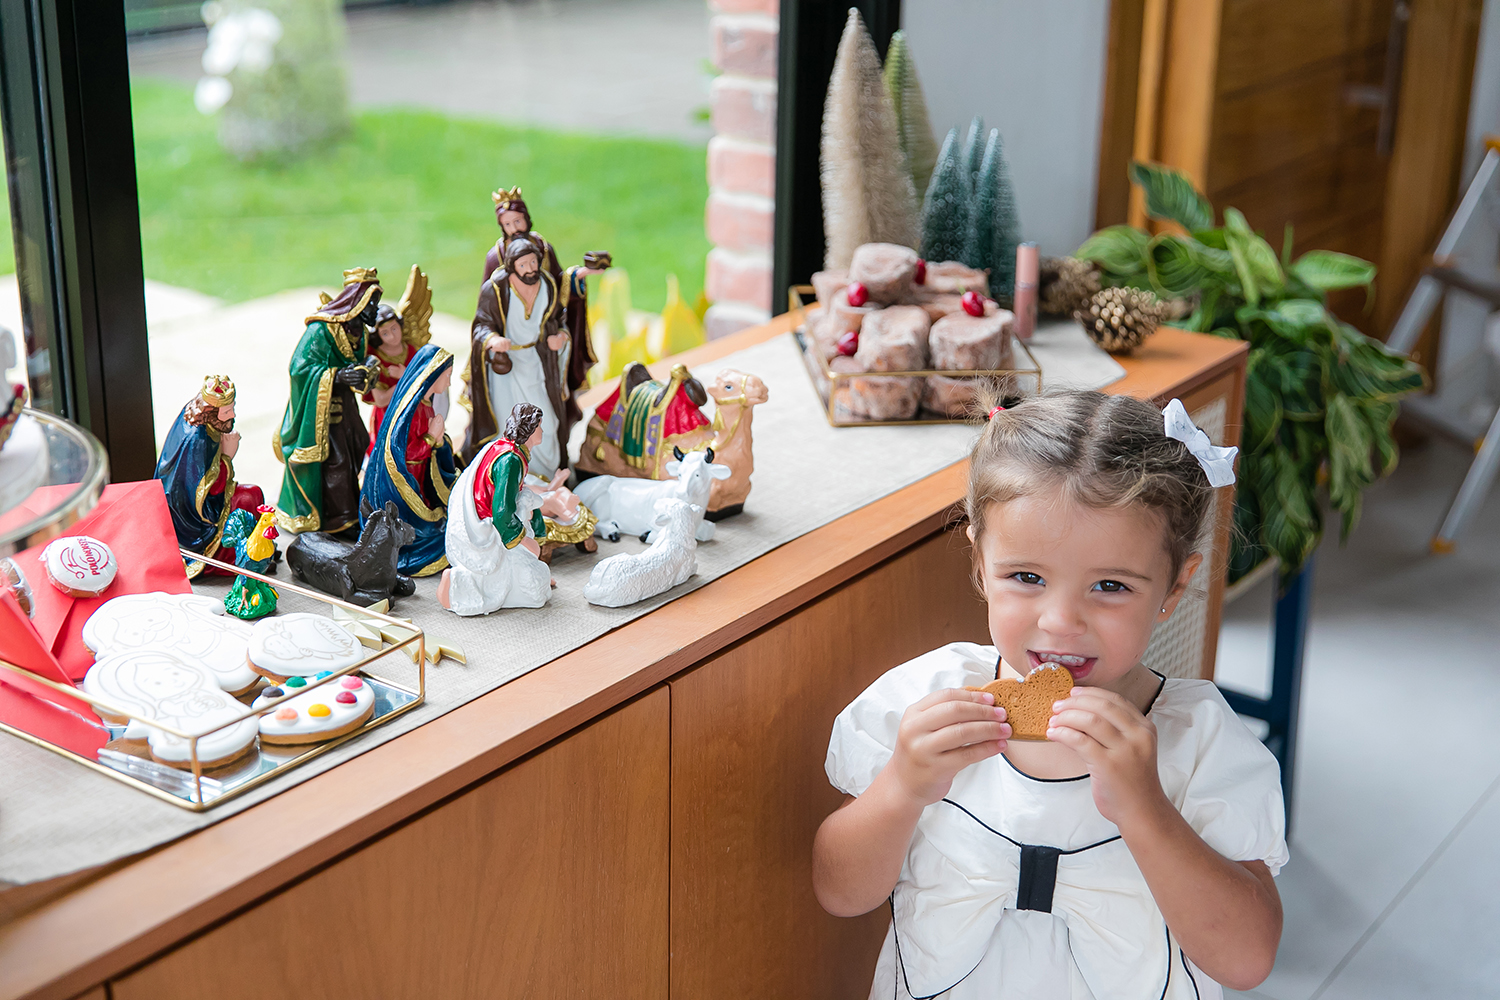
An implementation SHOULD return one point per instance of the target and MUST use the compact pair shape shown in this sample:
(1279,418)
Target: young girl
(1131,854)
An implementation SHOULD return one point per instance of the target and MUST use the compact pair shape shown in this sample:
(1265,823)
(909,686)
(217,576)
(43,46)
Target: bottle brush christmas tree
(994,229)
(913,127)
(945,210)
(868,195)
(973,154)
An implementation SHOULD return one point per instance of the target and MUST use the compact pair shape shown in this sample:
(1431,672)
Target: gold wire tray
(194,789)
(827,382)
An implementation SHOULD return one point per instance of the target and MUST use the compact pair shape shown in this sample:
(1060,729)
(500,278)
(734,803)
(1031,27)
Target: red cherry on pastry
(919,276)
(858,294)
(972,303)
(848,343)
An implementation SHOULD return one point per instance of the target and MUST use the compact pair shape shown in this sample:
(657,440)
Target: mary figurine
(411,464)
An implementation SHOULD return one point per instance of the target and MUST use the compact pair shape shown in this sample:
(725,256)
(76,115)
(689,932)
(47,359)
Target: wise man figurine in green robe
(322,439)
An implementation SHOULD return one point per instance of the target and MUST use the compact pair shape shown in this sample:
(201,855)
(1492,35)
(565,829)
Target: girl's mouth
(1079,666)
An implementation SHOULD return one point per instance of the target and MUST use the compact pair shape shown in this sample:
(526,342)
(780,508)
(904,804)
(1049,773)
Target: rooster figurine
(254,545)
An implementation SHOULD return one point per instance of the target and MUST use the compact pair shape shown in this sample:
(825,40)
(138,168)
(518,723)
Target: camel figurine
(638,438)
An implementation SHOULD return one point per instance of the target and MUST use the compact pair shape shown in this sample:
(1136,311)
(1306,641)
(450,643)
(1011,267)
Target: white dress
(1016,888)
(525,382)
(486,576)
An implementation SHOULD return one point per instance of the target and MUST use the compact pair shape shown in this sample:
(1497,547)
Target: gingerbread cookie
(334,709)
(301,645)
(195,628)
(79,566)
(12,579)
(162,686)
(1028,703)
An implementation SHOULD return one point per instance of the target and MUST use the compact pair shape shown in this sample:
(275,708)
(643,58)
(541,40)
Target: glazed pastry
(301,645)
(195,628)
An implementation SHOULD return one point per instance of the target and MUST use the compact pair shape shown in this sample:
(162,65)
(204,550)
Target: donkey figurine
(362,572)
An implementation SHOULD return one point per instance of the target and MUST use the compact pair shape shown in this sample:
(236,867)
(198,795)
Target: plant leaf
(1119,250)
(1170,194)
(1329,271)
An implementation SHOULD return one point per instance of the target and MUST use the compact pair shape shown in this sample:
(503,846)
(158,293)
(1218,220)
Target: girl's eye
(1030,579)
(1111,587)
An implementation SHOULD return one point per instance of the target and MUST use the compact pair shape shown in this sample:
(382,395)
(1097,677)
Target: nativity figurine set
(373,507)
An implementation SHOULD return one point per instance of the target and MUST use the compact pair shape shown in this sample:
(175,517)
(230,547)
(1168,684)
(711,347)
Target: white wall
(1035,71)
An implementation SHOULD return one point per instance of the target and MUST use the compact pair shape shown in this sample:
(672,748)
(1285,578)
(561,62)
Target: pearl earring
(1164,610)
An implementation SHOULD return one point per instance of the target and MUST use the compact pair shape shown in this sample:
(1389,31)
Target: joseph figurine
(520,352)
(514,219)
(322,439)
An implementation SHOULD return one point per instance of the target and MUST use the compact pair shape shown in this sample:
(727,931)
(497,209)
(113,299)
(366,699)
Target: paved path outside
(614,66)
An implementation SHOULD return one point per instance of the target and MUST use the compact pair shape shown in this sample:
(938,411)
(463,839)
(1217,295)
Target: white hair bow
(1218,463)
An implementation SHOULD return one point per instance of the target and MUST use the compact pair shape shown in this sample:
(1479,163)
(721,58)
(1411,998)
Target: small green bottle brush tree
(1320,397)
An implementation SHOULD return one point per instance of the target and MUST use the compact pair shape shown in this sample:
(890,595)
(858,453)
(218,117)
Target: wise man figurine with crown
(196,469)
(567,293)
(323,440)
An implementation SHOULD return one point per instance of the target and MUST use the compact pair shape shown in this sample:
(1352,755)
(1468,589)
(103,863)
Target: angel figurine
(399,332)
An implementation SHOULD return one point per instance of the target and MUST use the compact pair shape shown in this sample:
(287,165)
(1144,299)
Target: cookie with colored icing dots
(301,645)
(334,709)
(193,627)
(161,685)
(1028,702)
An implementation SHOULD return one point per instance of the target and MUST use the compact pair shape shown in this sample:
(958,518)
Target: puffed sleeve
(1224,781)
(864,734)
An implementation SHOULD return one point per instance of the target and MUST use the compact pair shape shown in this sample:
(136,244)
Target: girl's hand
(941,735)
(1117,743)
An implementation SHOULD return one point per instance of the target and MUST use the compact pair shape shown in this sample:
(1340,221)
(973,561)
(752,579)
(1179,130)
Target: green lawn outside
(406,187)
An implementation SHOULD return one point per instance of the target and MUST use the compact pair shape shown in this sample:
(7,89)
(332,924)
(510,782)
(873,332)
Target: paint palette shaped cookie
(1028,703)
(161,685)
(334,709)
(195,628)
(301,645)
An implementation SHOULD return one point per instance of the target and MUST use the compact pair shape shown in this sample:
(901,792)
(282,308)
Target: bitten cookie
(334,709)
(195,628)
(301,645)
(162,686)
(1028,703)
(79,566)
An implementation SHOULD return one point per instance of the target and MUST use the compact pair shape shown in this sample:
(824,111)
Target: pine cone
(1119,319)
(1066,285)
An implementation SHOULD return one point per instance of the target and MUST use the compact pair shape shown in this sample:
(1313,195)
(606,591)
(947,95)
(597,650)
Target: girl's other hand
(1117,743)
(941,735)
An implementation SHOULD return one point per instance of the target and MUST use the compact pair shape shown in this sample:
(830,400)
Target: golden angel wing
(415,309)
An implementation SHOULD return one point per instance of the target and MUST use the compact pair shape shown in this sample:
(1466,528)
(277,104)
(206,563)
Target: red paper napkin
(133,520)
(35,708)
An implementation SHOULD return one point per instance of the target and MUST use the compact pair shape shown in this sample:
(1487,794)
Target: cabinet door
(749,735)
(547,880)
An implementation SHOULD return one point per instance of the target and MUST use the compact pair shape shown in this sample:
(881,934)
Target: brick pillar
(739,216)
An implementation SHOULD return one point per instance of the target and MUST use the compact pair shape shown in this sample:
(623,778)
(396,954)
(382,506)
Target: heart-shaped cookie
(1028,703)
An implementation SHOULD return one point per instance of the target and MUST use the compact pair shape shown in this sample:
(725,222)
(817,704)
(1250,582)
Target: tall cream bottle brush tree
(868,196)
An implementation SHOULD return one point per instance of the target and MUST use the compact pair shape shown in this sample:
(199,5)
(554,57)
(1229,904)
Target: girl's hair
(1102,451)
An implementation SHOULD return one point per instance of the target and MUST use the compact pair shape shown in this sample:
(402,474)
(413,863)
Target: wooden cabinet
(749,735)
(547,880)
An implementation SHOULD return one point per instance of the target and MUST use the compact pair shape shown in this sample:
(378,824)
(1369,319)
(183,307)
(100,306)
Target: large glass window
(285,141)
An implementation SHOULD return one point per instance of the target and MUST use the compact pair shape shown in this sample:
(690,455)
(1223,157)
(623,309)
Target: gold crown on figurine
(503,198)
(355,275)
(218,390)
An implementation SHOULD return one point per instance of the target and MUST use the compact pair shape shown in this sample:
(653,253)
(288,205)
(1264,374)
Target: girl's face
(1076,586)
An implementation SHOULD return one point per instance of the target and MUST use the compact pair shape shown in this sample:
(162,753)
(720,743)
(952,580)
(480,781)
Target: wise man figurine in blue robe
(196,470)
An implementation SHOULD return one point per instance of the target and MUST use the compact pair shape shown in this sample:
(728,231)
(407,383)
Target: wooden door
(1275,107)
(750,733)
(548,880)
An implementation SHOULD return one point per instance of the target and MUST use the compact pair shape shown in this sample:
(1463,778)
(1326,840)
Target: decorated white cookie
(162,686)
(79,566)
(195,628)
(334,709)
(300,645)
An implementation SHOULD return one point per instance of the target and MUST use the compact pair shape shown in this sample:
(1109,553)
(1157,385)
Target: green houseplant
(1320,397)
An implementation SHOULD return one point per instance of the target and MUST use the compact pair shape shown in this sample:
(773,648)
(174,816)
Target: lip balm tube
(1028,272)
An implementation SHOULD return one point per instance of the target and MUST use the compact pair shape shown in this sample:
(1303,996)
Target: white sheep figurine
(671,559)
(626,506)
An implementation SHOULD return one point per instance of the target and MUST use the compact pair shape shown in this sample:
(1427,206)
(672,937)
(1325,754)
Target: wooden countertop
(122,917)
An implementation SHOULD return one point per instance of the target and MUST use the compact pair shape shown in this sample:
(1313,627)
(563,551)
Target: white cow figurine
(627,506)
(671,559)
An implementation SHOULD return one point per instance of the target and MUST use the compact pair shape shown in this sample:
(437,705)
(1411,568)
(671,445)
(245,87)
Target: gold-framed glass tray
(195,787)
(834,388)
